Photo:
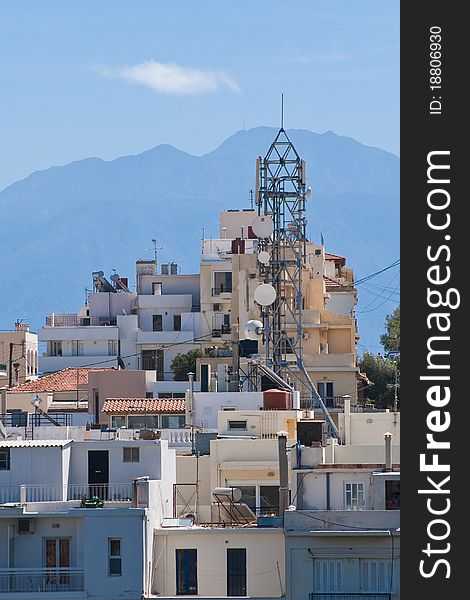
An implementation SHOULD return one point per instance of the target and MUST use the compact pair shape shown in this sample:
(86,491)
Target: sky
(114,77)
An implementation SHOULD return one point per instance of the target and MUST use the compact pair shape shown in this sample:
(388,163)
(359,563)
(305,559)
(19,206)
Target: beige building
(229,276)
(18,356)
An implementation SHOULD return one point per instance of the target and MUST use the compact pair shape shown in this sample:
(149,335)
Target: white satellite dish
(265,294)
(263,226)
(264,257)
(308,193)
(253,329)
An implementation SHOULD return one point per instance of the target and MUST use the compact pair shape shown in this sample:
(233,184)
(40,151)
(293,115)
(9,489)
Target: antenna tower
(281,194)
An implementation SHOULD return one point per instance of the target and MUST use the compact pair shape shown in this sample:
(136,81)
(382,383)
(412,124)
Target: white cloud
(168,78)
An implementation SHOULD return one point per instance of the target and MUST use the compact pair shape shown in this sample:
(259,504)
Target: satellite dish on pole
(253,329)
(264,257)
(263,226)
(265,294)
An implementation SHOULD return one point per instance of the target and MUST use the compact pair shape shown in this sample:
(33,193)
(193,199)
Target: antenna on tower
(282,111)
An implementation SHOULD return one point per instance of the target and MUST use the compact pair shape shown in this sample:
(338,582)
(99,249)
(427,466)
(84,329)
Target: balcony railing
(60,579)
(78,321)
(217,291)
(340,596)
(112,492)
(24,419)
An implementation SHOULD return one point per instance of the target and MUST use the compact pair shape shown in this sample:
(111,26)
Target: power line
(367,277)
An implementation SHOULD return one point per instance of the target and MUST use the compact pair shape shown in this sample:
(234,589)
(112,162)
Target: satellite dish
(265,294)
(115,277)
(308,193)
(264,257)
(263,226)
(253,329)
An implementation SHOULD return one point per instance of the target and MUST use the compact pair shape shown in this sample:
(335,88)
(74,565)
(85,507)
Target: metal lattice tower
(281,194)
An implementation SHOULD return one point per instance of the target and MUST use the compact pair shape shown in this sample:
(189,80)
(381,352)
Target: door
(236,571)
(325,389)
(158,322)
(186,571)
(98,473)
(57,562)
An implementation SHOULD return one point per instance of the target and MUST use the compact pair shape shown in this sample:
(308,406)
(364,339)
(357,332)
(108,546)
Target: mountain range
(60,224)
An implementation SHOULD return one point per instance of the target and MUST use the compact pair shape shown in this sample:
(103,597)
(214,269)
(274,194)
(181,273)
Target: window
(54,348)
(157,322)
(262,499)
(152,360)
(236,571)
(374,575)
(118,421)
(176,322)
(114,556)
(77,348)
(112,347)
(156,288)
(237,425)
(186,571)
(392,495)
(56,560)
(4,459)
(173,421)
(354,496)
(325,389)
(222,282)
(328,576)
(147,421)
(131,454)
(228,407)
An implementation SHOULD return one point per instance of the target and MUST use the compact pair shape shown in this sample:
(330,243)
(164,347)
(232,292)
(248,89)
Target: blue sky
(115,77)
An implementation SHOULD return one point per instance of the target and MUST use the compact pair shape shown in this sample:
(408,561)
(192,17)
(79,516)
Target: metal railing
(61,320)
(341,596)
(23,419)
(60,579)
(226,289)
(112,492)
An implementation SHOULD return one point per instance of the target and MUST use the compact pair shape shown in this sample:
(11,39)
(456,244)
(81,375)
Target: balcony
(222,291)
(112,492)
(54,579)
(62,320)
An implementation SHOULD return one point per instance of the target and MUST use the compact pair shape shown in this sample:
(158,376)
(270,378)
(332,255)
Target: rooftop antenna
(251,199)
(282,112)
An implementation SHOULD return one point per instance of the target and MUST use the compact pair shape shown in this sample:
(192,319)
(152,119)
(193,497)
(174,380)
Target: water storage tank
(227,494)
(277,399)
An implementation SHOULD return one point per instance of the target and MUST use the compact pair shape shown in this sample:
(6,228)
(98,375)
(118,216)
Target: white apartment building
(144,329)
(54,544)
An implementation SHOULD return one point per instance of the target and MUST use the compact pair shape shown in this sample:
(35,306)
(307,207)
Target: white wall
(33,465)
(264,555)
(369,428)
(207,404)
(119,471)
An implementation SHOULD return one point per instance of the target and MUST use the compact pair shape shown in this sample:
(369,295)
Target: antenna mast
(281,196)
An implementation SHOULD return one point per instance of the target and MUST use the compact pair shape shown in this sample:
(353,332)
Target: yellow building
(229,276)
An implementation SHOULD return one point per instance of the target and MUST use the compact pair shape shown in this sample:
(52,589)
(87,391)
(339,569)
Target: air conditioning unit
(25,526)
(305,336)
(217,307)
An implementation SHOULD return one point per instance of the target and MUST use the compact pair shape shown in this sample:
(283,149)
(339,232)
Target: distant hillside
(59,225)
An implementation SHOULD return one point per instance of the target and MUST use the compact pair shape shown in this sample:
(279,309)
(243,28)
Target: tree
(183,364)
(383,373)
(391,339)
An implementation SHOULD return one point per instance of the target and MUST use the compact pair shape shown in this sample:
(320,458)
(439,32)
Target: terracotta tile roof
(60,381)
(329,256)
(331,282)
(140,405)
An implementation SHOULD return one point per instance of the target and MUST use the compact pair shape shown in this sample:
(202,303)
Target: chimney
(388,451)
